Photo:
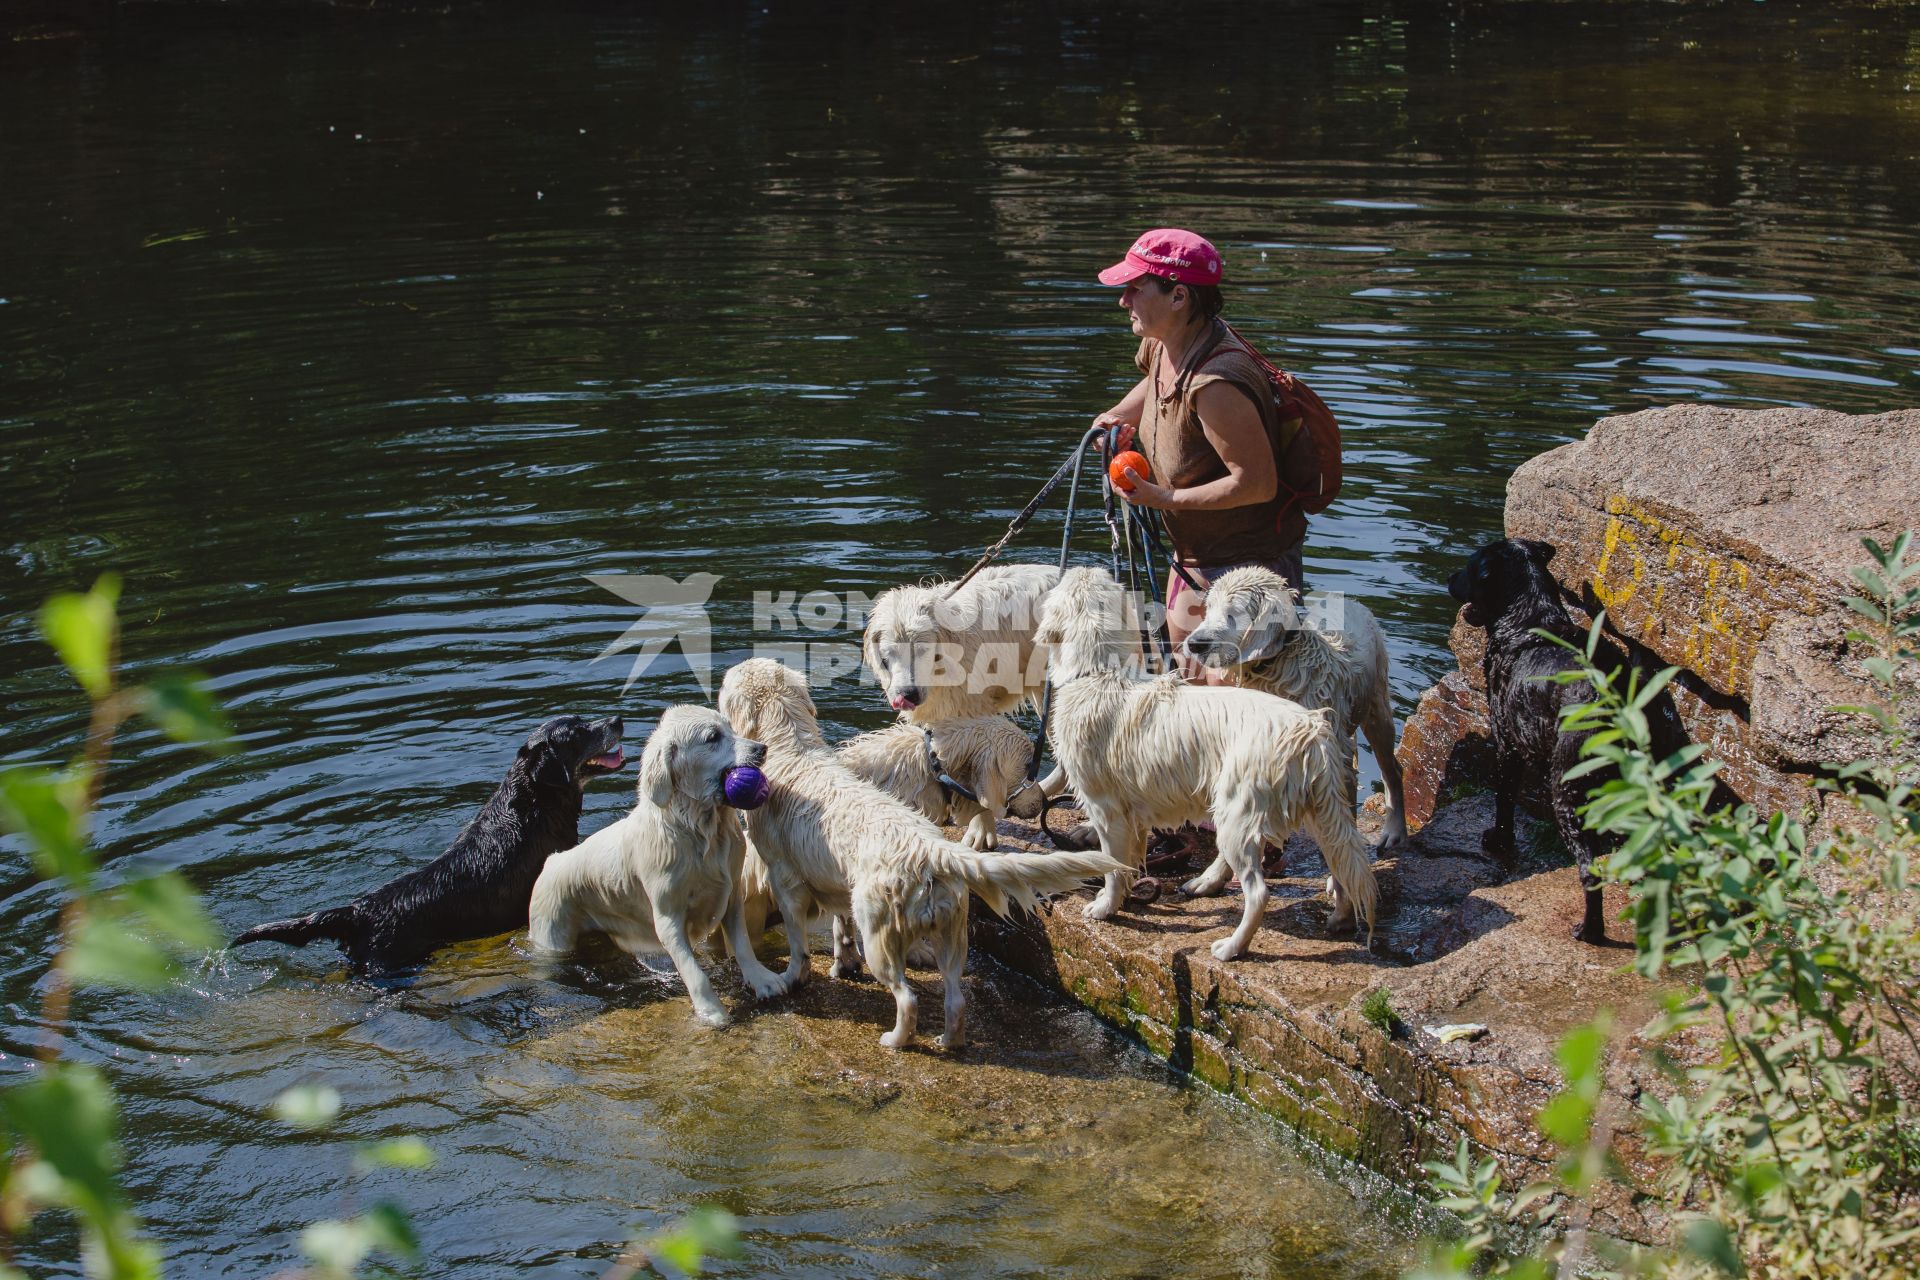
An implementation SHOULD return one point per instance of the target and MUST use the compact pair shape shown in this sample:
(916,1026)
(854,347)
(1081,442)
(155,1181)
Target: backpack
(1314,448)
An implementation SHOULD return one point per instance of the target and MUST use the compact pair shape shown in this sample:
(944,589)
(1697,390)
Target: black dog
(1508,591)
(481,885)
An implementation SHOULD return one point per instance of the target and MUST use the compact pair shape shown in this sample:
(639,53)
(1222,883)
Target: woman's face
(1154,314)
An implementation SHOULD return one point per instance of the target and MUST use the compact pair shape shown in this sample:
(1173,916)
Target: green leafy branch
(1794,1149)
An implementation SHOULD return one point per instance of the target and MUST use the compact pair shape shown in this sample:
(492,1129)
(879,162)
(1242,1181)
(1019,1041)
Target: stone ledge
(1281,1029)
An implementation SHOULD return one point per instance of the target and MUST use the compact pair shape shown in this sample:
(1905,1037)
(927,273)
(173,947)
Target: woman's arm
(1233,427)
(1126,415)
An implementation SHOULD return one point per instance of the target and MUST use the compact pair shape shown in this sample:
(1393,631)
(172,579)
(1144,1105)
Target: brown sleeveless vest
(1181,456)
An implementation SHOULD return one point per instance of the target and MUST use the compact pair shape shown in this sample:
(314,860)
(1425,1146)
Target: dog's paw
(980,835)
(1498,844)
(1102,907)
(768,984)
(1592,937)
(844,970)
(896,1039)
(952,1041)
(714,1016)
(1078,839)
(1199,888)
(1223,949)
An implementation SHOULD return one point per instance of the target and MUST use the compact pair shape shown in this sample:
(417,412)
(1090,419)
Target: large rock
(1722,541)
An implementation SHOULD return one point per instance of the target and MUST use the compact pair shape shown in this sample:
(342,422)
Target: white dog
(666,873)
(941,654)
(986,754)
(1253,632)
(834,844)
(1148,752)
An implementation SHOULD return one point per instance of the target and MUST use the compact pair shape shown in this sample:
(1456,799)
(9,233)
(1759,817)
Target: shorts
(1288,565)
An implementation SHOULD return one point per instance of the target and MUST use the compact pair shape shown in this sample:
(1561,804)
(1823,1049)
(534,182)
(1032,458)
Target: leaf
(67,1114)
(307,1106)
(1652,688)
(185,711)
(36,803)
(1565,1119)
(389,1228)
(337,1248)
(82,629)
(704,1233)
(1579,1053)
(1707,1239)
(170,905)
(104,952)
(399,1153)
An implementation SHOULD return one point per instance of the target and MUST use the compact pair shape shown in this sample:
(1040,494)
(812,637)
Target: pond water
(358,341)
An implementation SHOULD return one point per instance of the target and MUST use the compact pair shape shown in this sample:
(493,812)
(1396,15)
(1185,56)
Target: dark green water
(356,341)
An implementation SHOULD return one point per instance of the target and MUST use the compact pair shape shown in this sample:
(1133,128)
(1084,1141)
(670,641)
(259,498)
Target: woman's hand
(1145,493)
(1118,428)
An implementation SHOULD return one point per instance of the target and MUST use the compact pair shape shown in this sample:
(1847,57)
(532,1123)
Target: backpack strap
(1282,383)
(1207,350)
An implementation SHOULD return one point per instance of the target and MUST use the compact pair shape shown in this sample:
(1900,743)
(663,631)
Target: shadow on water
(357,342)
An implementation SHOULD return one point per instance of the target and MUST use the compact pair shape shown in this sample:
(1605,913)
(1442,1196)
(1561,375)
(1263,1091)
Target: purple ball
(746,787)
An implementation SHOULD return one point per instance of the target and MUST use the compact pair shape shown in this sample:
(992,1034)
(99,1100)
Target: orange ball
(1117,469)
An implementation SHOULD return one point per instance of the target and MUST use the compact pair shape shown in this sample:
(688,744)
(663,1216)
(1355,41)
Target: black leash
(1046,696)
(1129,519)
(1071,465)
(949,784)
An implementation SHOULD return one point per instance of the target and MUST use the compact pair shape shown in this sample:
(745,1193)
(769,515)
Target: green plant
(61,1121)
(1377,1007)
(681,1249)
(1795,1147)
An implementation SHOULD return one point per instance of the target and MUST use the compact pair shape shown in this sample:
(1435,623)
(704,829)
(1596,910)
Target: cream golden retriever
(1148,752)
(986,754)
(941,654)
(667,872)
(1253,632)
(835,844)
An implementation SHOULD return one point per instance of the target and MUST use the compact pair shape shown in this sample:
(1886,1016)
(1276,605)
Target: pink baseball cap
(1170,252)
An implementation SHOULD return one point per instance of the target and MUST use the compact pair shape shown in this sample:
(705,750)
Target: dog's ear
(1541,553)
(1267,628)
(1048,632)
(544,763)
(656,774)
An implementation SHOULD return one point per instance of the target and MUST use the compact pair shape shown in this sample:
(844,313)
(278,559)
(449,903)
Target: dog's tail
(1329,821)
(334,923)
(1006,880)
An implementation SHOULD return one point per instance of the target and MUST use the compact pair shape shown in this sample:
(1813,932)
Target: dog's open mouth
(609,762)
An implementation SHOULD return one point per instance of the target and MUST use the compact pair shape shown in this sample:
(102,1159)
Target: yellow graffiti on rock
(1718,619)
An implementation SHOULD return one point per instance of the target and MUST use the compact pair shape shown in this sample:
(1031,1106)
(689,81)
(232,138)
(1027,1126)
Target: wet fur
(481,885)
(1253,631)
(666,873)
(987,754)
(1151,752)
(835,844)
(1509,591)
(996,613)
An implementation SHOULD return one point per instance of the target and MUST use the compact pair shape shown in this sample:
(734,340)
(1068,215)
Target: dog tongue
(612,760)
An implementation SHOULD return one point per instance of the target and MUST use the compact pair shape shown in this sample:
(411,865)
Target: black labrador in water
(1508,591)
(481,885)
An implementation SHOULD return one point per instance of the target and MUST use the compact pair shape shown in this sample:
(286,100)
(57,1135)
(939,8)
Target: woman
(1204,416)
